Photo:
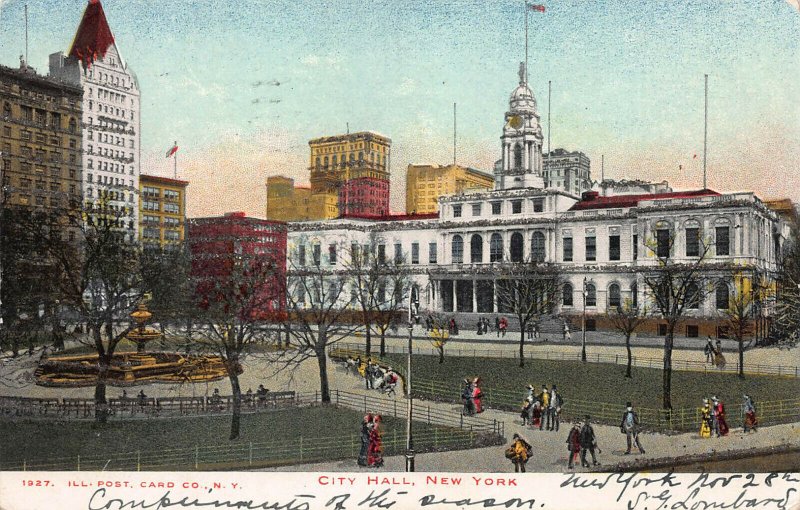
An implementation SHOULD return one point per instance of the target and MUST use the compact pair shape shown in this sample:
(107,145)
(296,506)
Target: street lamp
(583,321)
(413,314)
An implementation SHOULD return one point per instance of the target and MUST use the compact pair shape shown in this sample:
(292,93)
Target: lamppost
(413,314)
(583,322)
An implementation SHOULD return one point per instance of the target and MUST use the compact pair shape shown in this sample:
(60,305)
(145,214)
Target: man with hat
(588,442)
(630,427)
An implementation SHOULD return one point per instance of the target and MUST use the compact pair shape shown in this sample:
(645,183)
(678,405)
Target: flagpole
(175,163)
(705,135)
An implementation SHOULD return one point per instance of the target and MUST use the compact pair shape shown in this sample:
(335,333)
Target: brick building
(162,211)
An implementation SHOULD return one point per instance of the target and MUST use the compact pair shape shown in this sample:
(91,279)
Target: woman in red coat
(375,449)
(477,394)
(719,411)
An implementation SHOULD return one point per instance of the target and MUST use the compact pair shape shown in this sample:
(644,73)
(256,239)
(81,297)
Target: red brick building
(364,196)
(240,263)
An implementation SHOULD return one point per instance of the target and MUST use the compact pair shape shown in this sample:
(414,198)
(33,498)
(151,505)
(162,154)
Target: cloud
(331,61)
(407,87)
(212,90)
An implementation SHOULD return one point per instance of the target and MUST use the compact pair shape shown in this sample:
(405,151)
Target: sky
(243,85)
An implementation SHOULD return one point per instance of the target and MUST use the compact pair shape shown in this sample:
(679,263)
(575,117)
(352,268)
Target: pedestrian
(719,345)
(477,395)
(375,449)
(630,427)
(529,327)
(369,373)
(519,452)
(525,414)
(466,398)
(708,350)
(573,444)
(535,331)
(718,408)
(455,326)
(248,397)
(567,334)
(497,325)
(588,442)
(536,414)
(553,409)
(365,426)
(479,327)
(142,398)
(544,398)
(261,393)
(503,326)
(750,420)
(705,419)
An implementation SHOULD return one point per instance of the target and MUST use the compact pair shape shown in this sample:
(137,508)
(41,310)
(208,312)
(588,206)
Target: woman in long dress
(719,410)
(705,419)
(365,431)
(375,450)
(477,395)
(750,419)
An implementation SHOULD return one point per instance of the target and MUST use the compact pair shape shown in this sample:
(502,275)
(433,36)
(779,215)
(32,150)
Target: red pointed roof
(94,35)
(592,199)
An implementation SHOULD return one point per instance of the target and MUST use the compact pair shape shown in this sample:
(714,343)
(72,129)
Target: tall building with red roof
(111,124)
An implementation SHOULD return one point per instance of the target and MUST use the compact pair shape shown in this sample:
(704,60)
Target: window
(614,299)
(635,246)
(398,253)
(516,247)
(662,243)
(476,249)
(496,207)
(476,209)
(517,156)
(566,295)
(693,242)
(151,206)
(567,255)
(316,253)
(332,254)
(432,253)
(457,211)
(723,241)
(538,205)
(613,248)
(591,248)
(591,325)
(415,253)
(692,296)
(301,255)
(537,247)
(458,250)
(591,295)
(722,296)
(171,208)
(381,254)
(516,206)
(692,331)
(495,248)
(635,295)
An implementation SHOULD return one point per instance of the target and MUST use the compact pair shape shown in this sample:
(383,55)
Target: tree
(739,317)
(527,290)
(787,313)
(237,292)
(626,319)
(673,286)
(439,333)
(317,309)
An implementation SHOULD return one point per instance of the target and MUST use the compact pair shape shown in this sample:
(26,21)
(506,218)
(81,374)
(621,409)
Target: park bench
(181,404)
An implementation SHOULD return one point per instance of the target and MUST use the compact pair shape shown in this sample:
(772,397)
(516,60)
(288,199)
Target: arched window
(723,296)
(317,162)
(614,300)
(360,156)
(326,162)
(333,160)
(74,125)
(566,295)
(635,295)
(591,295)
(7,111)
(496,248)
(516,247)
(476,249)
(458,250)
(352,157)
(517,156)
(537,247)
(693,296)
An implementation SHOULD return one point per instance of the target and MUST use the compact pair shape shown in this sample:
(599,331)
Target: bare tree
(318,307)
(626,319)
(738,317)
(673,286)
(439,333)
(528,290)
(237,292)
(787,316)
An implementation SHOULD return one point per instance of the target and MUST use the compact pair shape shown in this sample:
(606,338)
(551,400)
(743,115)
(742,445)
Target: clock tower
(521,163)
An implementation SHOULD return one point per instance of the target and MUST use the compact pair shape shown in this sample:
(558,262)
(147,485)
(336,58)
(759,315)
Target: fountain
(130,368)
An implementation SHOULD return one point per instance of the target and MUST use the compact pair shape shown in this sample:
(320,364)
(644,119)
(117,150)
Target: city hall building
(602,243)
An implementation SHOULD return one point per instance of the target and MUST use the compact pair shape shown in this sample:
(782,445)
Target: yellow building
(286,202)
(337,159)
(426,183)
(162,211)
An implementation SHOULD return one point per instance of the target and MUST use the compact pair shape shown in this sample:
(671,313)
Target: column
(494,296)
(474,296)
(524,154)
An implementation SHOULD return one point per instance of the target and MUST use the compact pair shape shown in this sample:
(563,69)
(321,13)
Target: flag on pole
(694,157)
(172,150)
(536,7)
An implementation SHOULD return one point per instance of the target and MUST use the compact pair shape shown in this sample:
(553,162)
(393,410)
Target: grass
(598,382)
(328,433)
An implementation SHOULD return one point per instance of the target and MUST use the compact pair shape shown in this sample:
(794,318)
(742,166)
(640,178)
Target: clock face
(515,122)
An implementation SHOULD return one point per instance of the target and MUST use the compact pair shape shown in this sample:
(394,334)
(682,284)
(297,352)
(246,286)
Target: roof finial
(522,79)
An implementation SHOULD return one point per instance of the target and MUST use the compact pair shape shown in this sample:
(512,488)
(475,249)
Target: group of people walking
(581,440)
(472,396)
(713,422)
(375,377)
(371,453)
(713,353)
(542,409)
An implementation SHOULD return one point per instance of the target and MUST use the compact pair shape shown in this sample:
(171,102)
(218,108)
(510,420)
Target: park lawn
(275,437)
(594,382)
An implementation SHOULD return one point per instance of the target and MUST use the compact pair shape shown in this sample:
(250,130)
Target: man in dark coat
(365,430)
(588,442)
(630,427)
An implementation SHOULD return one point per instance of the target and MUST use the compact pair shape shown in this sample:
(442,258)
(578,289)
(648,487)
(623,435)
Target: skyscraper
(111,107)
